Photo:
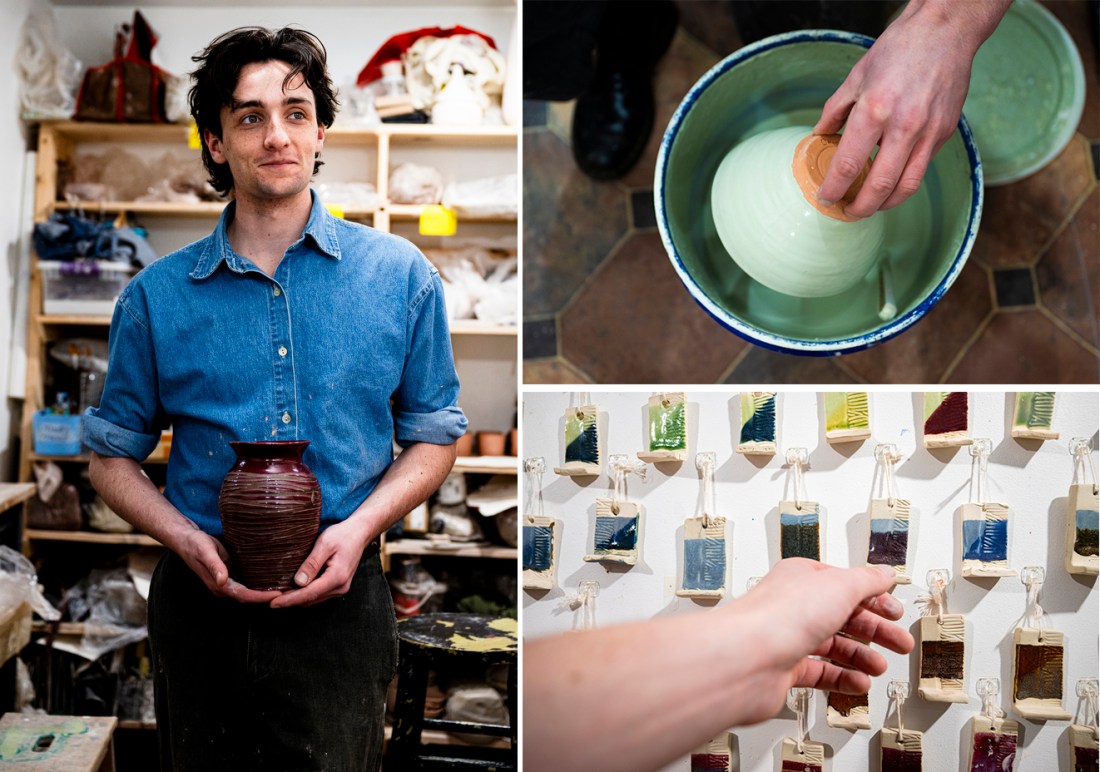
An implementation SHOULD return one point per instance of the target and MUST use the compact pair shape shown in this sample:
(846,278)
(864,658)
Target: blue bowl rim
(782,343)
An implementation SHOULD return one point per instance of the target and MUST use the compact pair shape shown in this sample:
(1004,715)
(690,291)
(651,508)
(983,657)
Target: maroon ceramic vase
(270,505)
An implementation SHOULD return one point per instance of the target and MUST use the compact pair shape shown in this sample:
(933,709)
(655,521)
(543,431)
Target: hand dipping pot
(779,82)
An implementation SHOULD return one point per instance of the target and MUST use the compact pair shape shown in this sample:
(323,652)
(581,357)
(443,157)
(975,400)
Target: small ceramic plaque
(618,533)
(800,529)
(1037,664)
(583,443)
(1033,415)
(704,558)
(984,539)
(889,538)
(901,751)
(946,419)
(715,755)
(942,657)
(757,423)
(847,416)
(540,552)
(811,758)
(666,428)
(1084,749)
(1082,530)
(992,744)
(847,711)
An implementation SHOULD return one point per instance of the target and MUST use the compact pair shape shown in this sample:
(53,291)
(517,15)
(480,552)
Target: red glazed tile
(1020,218)
(1026,347)
(922,353)
(551,371)
(570,223)
(635,323)
(1069,272)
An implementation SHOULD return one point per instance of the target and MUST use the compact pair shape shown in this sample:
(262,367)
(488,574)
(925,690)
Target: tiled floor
(602,304)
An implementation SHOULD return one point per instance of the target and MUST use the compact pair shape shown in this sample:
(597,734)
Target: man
(284,323)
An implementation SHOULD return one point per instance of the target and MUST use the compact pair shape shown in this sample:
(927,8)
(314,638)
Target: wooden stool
(36,743)
(433,639)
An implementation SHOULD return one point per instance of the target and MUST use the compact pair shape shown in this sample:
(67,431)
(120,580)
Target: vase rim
(267,443)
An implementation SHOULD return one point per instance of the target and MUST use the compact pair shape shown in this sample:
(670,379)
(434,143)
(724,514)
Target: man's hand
(206,556)
(905,96)
(328,570)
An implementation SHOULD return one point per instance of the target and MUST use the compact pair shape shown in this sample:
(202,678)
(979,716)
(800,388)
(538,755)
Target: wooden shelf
(81,319)
(436,737)
(487,464)
(168,208)
(84,458)
(474,327)
(424,547)
(410,212)
(13,494)
(134,724)
(90,537)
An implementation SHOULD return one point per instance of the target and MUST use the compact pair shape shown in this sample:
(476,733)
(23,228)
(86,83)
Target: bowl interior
(783,85)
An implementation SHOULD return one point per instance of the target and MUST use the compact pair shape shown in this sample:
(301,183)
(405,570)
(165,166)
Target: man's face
(269,135)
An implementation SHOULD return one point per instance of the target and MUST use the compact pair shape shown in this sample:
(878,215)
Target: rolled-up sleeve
(128,421)
(425,407)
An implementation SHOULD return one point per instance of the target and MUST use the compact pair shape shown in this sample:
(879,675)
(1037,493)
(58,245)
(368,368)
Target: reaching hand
(807,609)
(905,96)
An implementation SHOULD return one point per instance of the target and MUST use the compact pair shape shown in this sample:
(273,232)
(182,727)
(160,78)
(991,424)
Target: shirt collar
(320,230)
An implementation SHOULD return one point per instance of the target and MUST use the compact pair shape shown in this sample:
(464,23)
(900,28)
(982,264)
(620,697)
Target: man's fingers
(912,174)
(855,147)
(868,626)
(819,674)
(851,653)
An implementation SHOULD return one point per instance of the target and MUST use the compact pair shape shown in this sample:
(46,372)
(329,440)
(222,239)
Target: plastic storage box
(56,435)
(88,287)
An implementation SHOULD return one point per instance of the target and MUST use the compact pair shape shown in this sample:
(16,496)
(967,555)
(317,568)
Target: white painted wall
(1033,478)
(12,147)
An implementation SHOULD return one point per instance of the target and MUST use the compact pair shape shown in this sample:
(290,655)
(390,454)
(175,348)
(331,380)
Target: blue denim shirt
(347,346)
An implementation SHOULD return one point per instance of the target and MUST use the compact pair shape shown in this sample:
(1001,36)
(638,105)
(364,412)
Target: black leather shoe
(612,122)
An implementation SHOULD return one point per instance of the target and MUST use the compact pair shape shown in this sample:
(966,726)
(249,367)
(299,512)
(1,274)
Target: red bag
(398,44)
(129,88)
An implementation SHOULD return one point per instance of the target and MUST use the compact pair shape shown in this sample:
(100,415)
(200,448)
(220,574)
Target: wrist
(963,24)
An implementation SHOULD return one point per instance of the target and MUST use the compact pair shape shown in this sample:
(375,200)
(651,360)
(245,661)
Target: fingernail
(824,201)
(301,579)
(890,604)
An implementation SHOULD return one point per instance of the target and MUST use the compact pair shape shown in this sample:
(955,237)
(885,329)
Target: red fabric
(398,44)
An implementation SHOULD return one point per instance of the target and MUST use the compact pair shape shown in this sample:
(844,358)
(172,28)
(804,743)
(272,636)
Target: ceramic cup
(763,203)
(779,82)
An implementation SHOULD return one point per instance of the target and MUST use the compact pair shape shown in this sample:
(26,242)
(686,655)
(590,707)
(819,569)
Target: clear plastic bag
(49,75)
(19,584)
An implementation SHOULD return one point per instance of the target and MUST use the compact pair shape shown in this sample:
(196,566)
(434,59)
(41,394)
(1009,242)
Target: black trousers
(246,687)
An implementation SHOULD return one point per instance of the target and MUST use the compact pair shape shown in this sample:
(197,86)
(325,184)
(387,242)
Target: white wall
(12,148)
(1033,478)
(351,33)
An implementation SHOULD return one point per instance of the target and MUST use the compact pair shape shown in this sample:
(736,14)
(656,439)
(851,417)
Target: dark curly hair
(220,67)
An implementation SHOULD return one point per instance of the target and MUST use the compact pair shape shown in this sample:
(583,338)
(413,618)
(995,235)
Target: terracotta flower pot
(270,505)
(464,445)
(490,443)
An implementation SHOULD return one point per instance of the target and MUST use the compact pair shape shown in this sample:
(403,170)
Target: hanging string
(796,457)
(621,465)
(898,690)
(1082,461)
(1032,577)
(935,600)
(704,462)
(887,455)
(989,689)
(798,701)
(1087,689)
(980,450)
(534,467)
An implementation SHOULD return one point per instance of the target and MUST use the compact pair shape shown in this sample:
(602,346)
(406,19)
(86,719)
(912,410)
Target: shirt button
(286,418)
(278,292)
(282,351)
